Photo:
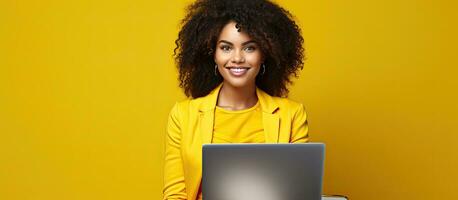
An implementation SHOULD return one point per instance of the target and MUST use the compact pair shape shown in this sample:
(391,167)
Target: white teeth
(238,71)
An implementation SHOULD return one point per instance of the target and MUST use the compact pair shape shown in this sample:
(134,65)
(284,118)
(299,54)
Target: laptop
(262,171)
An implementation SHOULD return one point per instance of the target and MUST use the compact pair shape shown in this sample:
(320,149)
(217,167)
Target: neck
(234,98)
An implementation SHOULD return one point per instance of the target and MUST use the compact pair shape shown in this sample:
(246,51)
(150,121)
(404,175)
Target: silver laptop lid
(262,171)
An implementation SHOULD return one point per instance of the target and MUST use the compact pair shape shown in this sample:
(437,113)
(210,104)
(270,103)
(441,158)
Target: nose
(238,57)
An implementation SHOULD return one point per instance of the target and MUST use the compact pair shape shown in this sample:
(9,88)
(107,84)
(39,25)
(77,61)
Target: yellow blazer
(190,125)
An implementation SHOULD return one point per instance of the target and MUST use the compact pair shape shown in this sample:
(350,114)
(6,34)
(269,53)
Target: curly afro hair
(271,26)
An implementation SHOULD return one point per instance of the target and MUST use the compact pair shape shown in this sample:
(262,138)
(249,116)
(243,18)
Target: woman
(235,60)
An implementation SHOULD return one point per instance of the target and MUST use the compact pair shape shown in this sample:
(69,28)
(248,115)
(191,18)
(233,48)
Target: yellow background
(86,86)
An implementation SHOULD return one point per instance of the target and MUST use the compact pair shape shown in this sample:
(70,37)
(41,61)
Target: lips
(237,71)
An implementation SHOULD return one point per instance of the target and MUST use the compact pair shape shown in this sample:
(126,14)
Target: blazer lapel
(270,120)
(206,126)
(207,115)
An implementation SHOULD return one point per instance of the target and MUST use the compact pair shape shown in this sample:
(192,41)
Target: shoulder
(282,104)
(188,105)
(288,105)
(291,111)
(186,111)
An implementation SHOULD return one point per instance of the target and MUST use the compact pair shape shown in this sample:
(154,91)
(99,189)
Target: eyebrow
(247,42)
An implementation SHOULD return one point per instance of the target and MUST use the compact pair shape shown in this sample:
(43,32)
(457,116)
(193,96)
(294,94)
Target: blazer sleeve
(174,184)
(299,127)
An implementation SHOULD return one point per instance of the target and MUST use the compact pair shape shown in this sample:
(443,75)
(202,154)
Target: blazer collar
(270,120)
(267,102)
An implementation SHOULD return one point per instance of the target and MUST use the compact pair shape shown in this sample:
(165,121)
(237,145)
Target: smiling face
(238,57)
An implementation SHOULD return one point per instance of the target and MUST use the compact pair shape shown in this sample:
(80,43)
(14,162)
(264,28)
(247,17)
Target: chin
(237,83)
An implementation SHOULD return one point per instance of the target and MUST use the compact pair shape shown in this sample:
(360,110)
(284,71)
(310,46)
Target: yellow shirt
(240,126)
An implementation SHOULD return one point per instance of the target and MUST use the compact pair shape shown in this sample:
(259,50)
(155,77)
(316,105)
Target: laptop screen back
(262,171)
